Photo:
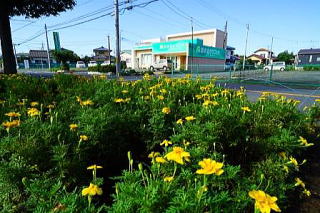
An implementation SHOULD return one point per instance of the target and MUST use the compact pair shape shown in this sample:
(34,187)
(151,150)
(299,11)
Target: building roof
(38,54)
(194,33)
(262,50)
(126,51)
(257,56)
(309,51)
(101,49)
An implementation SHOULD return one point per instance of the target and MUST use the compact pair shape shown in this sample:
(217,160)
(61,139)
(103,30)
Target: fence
(304,76)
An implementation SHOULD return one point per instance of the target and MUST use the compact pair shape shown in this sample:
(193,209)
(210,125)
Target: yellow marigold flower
(153,154)
(264,202)
(198,96)
(127,100)
(160,97)
(160,160)
(190,118)
(125,91)
(165,143)
(168,179)
(94,167)
(178,155)
(299,182)
(34,103)
(11,124)
(286,169)
(209,167)
(146,97)
(180,121)
(166,110)
(50,106)
(246,109)
(13,114)
(208,103)
(84,138)
(283,155)
(2,101)
(240,93)
(304,142)
(73,127)
(86,103)
(33,112)
(317,100)
(307,192)
(147,77)
(225,92)
(163,91)
(293,161)
(119,100)
(92,190)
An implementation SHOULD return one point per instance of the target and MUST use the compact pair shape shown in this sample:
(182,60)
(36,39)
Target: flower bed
(154,145)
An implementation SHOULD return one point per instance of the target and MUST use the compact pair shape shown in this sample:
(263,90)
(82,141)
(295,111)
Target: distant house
(126,57)
(308,57)
(39,57)
(261,56)
(230,57)
(101,54)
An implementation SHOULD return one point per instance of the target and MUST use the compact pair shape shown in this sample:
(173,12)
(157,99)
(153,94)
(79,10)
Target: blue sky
(293,23)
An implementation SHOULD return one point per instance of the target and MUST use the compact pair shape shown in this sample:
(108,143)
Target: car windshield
(80,62)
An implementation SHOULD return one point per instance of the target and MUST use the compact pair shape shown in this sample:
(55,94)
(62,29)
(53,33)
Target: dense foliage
(155,145)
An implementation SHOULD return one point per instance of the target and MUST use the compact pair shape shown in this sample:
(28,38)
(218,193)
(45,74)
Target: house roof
(257,56)
(38,54)
(101,49)
(126,51)
(262,49)
(309,51)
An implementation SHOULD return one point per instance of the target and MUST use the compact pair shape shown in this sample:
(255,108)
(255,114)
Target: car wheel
(151,68)
(266,69)
(165,68)
(282,69)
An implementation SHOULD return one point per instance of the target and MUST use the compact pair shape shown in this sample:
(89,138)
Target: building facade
(206,49)
(308,57)
(101,54)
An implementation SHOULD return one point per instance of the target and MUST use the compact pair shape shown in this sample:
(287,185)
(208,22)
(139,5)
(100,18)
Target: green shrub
(43,165)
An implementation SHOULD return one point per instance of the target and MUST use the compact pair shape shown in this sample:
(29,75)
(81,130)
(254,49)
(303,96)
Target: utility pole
(109,49)
(225,45)
(245,51)
(191,45)
(15,55)
(118,64)
(270,58)
(48,48)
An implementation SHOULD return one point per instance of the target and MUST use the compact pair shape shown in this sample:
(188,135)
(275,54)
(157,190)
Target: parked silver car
(279,65)
(162,64)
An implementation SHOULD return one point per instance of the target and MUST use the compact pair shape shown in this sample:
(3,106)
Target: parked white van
(279,65)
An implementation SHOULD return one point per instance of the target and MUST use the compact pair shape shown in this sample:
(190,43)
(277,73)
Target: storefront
(184,54)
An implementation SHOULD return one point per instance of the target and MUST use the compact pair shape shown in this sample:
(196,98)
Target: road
(306,96)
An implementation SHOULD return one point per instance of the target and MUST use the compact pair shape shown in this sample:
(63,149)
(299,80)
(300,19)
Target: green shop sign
(207,52)
(146,47)
(170,47)
(173,46)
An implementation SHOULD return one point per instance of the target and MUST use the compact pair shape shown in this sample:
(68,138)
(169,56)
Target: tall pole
(109,49)
(191,44)
(48,48)
(118,64)
(245,51)
(270,58)
(15,55)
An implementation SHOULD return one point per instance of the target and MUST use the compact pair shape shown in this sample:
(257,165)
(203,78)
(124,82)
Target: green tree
(286,57)
(29,9)
(63,56)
